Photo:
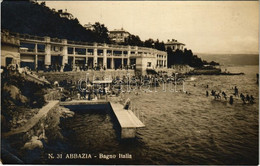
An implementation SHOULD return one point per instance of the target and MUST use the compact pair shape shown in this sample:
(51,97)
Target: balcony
(5,38)
(117,54)
(56,40)
(25,37)
(24,50)
(56,52)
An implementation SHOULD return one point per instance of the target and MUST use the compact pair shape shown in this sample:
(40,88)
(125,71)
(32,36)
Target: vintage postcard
(130,82)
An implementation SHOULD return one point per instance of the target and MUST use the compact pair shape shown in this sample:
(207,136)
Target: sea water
(180,128)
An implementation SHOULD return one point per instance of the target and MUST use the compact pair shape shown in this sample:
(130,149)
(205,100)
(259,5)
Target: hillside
(232,59)
(37,19)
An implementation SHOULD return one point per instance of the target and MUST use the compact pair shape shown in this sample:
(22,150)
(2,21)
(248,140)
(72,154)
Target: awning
(102,81)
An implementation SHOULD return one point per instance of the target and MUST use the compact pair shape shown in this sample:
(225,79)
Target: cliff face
(37,19)
(19,97)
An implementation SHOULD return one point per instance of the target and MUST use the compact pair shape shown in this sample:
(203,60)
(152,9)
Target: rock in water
(66,113)
(33,143)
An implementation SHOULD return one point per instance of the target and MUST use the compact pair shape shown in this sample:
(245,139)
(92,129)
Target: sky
(203,26)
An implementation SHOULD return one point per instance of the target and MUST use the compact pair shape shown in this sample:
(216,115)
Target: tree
(159,45)
(133,41)
(149,43)
(101,33)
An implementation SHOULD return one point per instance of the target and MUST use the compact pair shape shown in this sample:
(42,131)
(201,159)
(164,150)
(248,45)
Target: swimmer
(247,98)
(224,95)
(231,100)
(252,99)
(242,98)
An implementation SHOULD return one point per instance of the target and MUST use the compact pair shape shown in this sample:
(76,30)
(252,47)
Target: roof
(88,25)
(174,43)
(118,30)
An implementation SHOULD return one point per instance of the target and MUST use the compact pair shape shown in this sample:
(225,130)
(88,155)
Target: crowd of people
(218,95)
(82,67)
(94,91)
(91,91)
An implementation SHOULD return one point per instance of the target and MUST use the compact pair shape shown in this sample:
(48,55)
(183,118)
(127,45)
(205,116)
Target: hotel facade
(119,35)
(45,53)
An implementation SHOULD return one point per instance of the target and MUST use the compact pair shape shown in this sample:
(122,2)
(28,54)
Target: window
(149,64)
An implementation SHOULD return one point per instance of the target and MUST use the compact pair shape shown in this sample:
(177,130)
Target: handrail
(86,44)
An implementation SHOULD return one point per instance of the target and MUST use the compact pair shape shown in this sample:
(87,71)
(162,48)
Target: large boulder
(66,113)
(33,143)
(15,93)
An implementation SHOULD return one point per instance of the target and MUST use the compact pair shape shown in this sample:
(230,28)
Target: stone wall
(76,76)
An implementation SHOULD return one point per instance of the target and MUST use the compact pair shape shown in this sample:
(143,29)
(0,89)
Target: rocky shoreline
(46,130)
(213,73)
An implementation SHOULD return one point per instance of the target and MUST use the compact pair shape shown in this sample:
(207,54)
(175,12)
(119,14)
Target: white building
(118,35)
(174,45)
(89,26)
(45,53)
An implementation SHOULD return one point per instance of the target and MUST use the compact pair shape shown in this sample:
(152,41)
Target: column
(166,61)
(128,55)
(64,54)
(163,61)
(74,59)
(36,56)
(105,56)
(136,50)
(122,61)
(95,55)
(86,63)
(112,59)
(47,58)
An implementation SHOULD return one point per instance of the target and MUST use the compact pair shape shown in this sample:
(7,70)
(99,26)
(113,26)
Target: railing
(31,37)
(117,46)
(80,43)
(76,53)
(5,38)
(56,52)
(117,54)
(56,40)
(99,44)
(40,50)
(24,50)
(27,37)
(14,34)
